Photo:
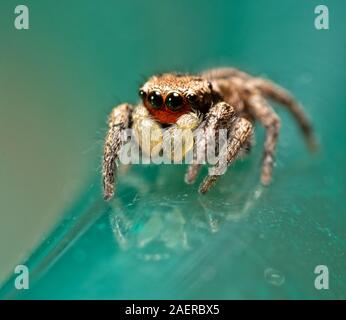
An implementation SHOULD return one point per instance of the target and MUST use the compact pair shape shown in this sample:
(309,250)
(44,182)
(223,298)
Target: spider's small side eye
(192,97)
(142,94)
(210,86)
(174,101)
(155,99)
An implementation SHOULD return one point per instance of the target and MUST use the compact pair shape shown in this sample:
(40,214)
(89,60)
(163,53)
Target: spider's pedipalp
(119,120)
(240,134)
(179,138)
(147,132)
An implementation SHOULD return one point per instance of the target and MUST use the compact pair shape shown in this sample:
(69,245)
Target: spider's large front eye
(174,101)
(155,99)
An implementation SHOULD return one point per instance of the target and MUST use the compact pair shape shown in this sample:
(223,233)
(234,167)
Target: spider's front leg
(240,133)
(220,116)
(119,120)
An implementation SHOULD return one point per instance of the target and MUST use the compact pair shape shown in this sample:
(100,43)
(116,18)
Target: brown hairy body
(218,98)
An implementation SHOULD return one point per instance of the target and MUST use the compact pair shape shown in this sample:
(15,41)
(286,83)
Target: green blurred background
(160,239)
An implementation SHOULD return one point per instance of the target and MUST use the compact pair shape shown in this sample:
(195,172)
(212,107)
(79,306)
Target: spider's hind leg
(280,95)
(271,122)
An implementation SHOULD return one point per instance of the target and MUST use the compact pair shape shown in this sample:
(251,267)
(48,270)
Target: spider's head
(169,96)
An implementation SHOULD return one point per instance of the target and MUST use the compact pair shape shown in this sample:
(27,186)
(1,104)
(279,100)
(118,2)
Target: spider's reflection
(156,221)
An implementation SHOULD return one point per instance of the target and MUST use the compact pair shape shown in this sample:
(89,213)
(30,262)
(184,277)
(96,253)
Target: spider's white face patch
(147,132)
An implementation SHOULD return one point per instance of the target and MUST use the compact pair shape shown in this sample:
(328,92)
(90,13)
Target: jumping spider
(218,98)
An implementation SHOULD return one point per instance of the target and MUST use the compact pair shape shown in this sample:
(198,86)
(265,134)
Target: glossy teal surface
(159,238)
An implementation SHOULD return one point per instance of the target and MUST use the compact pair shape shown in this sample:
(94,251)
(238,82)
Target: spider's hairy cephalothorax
(223,98)
(169,96)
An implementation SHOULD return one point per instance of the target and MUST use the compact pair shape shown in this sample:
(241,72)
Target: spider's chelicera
(215,100)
